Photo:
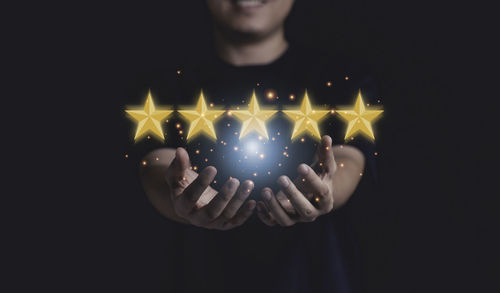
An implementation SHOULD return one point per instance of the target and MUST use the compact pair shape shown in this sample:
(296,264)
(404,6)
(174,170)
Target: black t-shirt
(308,257)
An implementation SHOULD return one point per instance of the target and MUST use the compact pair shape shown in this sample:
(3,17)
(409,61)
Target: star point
(254,118)
(201,119)
(359,119)
(149,119)
(306,119)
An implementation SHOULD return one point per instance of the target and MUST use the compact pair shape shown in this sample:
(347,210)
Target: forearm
(153,181)
(350,165)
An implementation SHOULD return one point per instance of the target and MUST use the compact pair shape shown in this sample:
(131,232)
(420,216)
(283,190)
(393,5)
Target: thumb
(176,170)
(325,155)
(181,160)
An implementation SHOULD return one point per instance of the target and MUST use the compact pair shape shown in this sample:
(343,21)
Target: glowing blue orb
(252,147)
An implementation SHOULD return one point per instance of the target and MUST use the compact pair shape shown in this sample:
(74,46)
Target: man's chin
(248,33)
(248,36)
(248,29)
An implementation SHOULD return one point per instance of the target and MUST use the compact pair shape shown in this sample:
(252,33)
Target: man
(250,45)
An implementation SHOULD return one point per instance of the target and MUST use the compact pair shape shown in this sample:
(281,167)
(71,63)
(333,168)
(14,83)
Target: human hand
(307,197)
(199,204)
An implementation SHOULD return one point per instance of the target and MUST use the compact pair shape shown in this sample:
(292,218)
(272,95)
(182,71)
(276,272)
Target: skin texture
(185,196)
(250,37)
(253,23)
(312,193)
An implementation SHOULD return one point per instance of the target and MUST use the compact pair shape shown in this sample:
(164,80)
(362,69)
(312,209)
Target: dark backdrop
(422,235)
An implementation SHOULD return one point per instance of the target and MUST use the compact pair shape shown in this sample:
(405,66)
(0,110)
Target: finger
(264,215)
(238,200)
(187,200)
(243,214)
(325,155)
(303,206)
(216,206)
(310,182)
(177,169)
(276,210)
(313,184)
(285,203)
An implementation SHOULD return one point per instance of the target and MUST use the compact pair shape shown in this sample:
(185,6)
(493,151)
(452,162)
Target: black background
(427,232)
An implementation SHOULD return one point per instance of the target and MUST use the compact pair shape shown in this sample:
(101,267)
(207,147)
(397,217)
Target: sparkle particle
(270,94)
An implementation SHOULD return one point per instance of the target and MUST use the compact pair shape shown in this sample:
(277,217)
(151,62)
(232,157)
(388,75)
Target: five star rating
(149,119)
(201,119)
(306,119)
(254,118)
(359,119)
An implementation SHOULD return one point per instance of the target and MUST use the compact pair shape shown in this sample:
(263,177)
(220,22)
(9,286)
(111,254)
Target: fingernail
(326,141)
(233,183)
(250,185)
(283,181)
(209,171)
(266,195)
(303,169)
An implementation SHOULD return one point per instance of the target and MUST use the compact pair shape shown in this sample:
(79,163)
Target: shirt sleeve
(365,82)
(341,82)
(164,88)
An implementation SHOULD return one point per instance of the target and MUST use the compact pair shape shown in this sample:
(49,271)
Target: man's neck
(259,52)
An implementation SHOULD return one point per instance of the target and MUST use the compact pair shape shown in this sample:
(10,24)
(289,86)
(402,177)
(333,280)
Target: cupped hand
(309,196)
(199,204)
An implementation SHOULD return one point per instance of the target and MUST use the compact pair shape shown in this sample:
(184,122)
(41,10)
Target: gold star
(254,118)
(306,119)
(149,119)
(359,118)
(201,119)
